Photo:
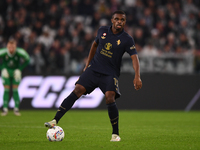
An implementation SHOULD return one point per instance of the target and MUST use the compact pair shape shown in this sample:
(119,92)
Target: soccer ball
(55,134)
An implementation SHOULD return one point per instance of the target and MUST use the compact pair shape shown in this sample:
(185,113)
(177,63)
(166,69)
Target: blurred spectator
(149,50)
(61,36)
(51,63)
(67,16)
(74,7)
(88,39)
(54,13)
(65,52)
(139,37)
(55,46)
(161,29)
(46,39)
(86,7)
(156,40)
(139,8)
(170,26)
(148,18)
(41,17)
(51,27)
(146,29)
(101,7)
(63,61)
(184,43)
(184,26)
(95,20)
(170,44)
(19,38)
(37,28)
(9,30)
(32,42)
(37,61)
(188,7)
(114,5)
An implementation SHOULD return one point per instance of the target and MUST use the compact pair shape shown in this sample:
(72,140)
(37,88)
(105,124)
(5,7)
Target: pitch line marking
(193,101)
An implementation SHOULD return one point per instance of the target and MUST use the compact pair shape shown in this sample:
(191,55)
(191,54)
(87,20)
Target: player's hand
(17,74)
(4,73)
(137,83)
(84,68)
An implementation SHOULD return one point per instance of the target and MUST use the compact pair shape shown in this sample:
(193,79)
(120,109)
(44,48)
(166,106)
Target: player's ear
(112,20)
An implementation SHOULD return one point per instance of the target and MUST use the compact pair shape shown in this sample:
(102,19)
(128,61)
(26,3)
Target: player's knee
(110,100)
(79,90)
(110,97)
(6,87)
(15,86)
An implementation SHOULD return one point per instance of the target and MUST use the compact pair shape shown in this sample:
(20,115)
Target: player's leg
(5,100)
(109,86)
(6,84)
(16,99)
(113,114)
(16,82)
(66,104)
(69,101)
(84,85)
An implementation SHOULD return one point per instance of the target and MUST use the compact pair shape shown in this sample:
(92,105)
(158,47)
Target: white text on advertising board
(48,92)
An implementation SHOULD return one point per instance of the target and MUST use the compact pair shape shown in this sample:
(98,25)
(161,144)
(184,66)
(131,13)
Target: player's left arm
(23,54)
(130,48)
(136,66)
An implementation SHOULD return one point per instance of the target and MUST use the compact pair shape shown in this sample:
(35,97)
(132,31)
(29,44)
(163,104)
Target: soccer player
(103,69)
(14,60)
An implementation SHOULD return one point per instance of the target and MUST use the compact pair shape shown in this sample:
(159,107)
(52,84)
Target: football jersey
(14,61)
(111,47)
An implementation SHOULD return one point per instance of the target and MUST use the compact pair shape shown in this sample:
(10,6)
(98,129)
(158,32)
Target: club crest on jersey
(103,37)
(108,46)
(132,47)
(118,42)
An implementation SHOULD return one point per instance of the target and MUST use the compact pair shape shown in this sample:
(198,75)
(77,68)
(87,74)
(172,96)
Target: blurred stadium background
(58,34)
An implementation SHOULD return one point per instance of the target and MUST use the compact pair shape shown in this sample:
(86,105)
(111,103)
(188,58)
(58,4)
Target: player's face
(118,21)
(11,47)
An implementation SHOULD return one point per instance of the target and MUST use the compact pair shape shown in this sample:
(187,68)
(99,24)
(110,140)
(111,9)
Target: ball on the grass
(55,134)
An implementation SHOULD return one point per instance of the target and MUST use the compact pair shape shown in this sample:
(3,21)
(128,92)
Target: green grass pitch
(91,130)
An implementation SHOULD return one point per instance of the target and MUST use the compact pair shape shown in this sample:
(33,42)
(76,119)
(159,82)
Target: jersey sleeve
(130,47)
(23,54)
(3,52)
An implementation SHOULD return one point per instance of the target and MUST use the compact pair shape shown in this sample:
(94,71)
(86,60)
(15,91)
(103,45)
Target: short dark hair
(12,41)
(118,12)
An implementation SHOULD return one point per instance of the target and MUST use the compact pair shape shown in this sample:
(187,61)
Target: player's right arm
(91,54)
(3,52)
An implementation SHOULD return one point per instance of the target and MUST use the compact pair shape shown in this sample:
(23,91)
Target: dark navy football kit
(104,69)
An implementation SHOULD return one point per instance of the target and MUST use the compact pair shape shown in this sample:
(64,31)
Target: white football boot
(4,112)
(16,112)
(50,124)
(115,138)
